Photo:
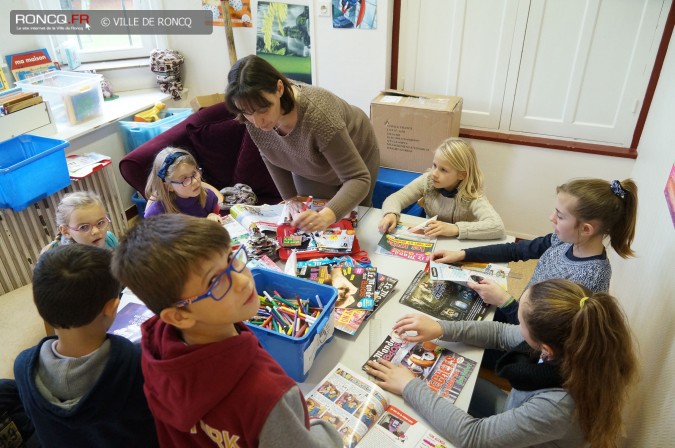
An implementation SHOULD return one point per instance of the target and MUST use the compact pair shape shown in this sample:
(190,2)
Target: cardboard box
(200,102)
(409,127)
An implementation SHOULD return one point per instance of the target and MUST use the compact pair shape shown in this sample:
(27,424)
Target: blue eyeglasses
(222,284)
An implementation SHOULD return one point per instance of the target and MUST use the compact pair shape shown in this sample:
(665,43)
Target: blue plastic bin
(389,181)
(136,133)
(296,355)
(31,168)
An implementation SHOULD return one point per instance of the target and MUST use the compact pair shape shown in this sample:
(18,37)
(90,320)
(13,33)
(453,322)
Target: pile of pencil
(289,316)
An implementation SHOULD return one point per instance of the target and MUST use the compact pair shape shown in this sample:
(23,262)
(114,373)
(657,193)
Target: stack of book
(14,100)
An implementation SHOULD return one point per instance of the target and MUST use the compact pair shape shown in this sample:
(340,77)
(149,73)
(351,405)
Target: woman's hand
(389,376)
(214,217)
(490,291)
(311,221)
(447,256)
(426,328)
(439,228)
(388,223)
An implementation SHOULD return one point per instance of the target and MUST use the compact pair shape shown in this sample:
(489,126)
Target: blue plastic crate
(31,168)
(296,355)
(388,182)
(136,133)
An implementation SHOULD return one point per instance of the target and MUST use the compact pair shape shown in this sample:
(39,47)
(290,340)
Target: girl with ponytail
(570,363)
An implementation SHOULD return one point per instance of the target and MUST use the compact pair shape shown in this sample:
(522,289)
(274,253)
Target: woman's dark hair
(248,79)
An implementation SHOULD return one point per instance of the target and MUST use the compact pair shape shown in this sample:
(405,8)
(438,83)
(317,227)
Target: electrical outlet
(324,9)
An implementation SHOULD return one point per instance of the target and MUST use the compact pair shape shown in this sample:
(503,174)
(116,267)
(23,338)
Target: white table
(354,351)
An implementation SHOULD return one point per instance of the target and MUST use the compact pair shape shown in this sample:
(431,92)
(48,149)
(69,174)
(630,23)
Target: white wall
(353,64)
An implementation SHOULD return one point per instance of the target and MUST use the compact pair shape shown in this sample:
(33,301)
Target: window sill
(128,103)
(549,143)
(113,65)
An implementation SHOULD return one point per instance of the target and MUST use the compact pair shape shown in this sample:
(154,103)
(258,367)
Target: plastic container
(296,355)
(74,97)
(31,168)
(136,133)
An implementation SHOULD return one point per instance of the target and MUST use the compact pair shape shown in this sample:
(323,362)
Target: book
(83,105)
(361,413)
(17,106)
(444,371)
(4,85)
(128,321)
(355,285)
(238,233)
(349,320)
(266,217)
(82,165)
(443,300)
(30,63)
(405,244)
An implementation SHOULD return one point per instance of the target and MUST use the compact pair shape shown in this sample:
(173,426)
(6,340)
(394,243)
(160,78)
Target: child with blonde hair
(451,190)
(175,184)
(570,363)
(586,211)
(81,218)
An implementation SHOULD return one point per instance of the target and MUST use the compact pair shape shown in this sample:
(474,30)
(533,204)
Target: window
(575,70)
(96,48)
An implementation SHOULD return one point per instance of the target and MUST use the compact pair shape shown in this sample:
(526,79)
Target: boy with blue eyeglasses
(207,379)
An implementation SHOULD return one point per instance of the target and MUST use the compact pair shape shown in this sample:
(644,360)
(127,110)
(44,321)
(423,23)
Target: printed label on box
(319,339)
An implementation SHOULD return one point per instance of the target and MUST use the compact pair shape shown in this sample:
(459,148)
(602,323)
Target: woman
(312,142)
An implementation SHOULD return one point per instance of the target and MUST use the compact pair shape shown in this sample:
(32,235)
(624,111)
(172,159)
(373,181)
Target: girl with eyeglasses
(81,218)
(175,184)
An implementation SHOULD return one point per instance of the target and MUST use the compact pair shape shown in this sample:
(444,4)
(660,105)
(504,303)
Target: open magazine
(443,300)
(406,243)
(238,233)
(444,371)
(266,217)
(361,413)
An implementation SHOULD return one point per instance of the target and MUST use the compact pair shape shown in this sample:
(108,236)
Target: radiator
(23,234)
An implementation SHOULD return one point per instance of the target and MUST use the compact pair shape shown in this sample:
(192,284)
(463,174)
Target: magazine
(355,285)
(349,320)
(405,244)
(443,300)
(444,371)
(361,413)
(456,274)
(297,206)
(129,319)
(238,233)
(266,217)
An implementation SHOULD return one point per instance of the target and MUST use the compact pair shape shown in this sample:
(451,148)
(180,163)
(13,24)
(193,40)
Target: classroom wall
(645,285)
(353,64)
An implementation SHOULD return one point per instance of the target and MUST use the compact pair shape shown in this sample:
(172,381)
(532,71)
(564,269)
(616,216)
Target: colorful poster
(360,14)
(284,39)
(240,12)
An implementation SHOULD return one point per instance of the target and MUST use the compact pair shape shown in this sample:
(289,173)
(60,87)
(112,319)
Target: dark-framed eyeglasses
(102,224)
(223,283)
(196,176)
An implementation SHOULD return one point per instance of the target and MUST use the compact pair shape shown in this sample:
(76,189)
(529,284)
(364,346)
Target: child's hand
(388,223)
(447,256)
(389,376)
(214,217)
(439,228)
(490,291)
(426,328)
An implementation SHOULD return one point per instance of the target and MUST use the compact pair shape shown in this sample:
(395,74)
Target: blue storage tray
(31,168)
(136,133)
(388,182)
(296,355)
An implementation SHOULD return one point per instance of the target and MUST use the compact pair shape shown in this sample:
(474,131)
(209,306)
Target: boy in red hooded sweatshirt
(207,379)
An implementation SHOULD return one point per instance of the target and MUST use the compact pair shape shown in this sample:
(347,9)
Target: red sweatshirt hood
(182,382)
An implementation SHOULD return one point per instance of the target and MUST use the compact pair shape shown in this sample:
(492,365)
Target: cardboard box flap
(404,98)
(200,102)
